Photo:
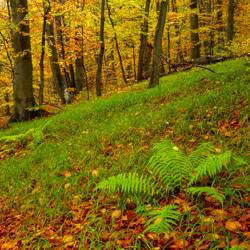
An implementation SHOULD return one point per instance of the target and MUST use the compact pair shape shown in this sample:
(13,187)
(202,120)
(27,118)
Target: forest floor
(49,168)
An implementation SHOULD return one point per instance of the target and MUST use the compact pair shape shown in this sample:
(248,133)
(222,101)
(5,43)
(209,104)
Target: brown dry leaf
(204,247)
(67,174)
(181,243)
(234,242)
(246,234)
(232,225)
(211,199)
(209,219)
(68,238)
(116,214)
(124,217)
(95,173)
(245,244)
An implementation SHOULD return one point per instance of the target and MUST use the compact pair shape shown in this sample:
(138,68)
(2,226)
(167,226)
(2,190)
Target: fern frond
(202,152)
(169,164)
(168,217)
(208,190)
(211,166)
(130,184)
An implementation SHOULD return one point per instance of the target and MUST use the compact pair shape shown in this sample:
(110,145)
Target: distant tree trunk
(219,24)
(144,57)
(155,74)
(102,48)
(177,30)
(194,24)
(230,21)
(208,43)
(56,72)
(23,89)
(117,46)
(41,87)
(80,79)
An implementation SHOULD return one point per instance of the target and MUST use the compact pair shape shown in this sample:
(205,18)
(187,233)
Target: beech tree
(145,47)
(23,89)
(230,21)
(100,58)
(55,68)
(155,74)
(194,24)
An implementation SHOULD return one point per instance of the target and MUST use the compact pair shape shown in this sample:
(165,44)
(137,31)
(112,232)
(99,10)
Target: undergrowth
(48,178)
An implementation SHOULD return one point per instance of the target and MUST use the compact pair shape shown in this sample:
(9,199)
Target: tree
(194,24)
(53,58)
(102,47)
(23,88)
(155,74)
(145,47)
(117,45)
(230,21)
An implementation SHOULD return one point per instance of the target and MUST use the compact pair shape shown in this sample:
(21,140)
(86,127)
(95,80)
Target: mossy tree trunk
(230,21)
(23,88)
(155,74)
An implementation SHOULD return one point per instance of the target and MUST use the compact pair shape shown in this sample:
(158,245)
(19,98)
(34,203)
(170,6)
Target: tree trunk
(208,43)
(195,47)
(144,57)
(230,21)
(23,89)
(219,24)
(117,46)
(102,47)
(56,72)
(155,74)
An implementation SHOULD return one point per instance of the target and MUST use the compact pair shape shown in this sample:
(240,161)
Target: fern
(208,190)
(211,166)
(168,216)
(130,184)
(170,165)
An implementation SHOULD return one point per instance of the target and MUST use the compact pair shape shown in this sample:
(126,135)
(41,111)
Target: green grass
(115,135)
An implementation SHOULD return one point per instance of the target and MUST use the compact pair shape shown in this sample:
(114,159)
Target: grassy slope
(114,135)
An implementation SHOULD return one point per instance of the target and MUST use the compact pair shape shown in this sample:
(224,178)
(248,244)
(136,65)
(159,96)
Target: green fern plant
(209,192)
(172,167)
(36,136)
(164,219)
(130,184)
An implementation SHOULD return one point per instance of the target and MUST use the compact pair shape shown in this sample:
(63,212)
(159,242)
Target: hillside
(50,167)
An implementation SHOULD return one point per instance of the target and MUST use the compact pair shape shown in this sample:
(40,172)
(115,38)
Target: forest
(125,124)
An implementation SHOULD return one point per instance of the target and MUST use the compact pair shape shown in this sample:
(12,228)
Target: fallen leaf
(232,225)
(157,220)
(67,174)
(68,238)
(116,214)
(67,185)
(95,173)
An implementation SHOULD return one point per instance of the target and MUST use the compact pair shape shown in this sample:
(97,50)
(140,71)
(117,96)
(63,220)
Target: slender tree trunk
(117,45)
(155,74)
(41,87)
(220,28)
(208,41)
(230,21)
(144,57)
(195,47)
(102,48)
(23,89)
(178,34)
(56,72)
